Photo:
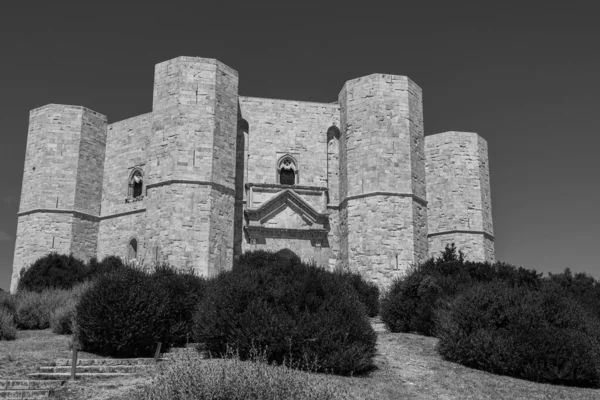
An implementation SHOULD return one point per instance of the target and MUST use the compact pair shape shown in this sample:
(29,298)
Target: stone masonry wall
(126,147)
(51,157)
(382,181)
(297,128)
(115,233)
(90,166)
(458,194)
(191,152)
(84,243)
(37,235)
(62,182)
(279,127)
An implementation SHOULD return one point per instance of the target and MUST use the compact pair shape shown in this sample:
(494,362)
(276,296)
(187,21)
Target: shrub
(409,304)
(199,379)
(108,265)
(123,314)
(53,271)
(368,292)
(34,310)
(62,319)
(8,329)
(581,287)
(538,335)
(8,302)
(184,291)
(288,309)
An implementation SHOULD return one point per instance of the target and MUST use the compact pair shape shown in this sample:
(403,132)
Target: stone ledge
(486,234)
(416,198)
(76,213)
(215,186)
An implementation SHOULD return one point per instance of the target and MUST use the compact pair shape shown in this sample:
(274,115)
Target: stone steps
(64,362)
(98,369)
(27,389)
(24,394)
(52,377)
(79,376)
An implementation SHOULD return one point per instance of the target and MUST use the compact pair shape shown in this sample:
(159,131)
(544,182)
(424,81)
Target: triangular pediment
(286,210)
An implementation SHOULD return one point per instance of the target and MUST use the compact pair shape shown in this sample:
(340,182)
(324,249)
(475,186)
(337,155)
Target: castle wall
(115,233)
(297,128)
(62,181)
(458,194)
(191,156)
(393,196)
(279,127)
(51,158)
(126,146)
(382,181)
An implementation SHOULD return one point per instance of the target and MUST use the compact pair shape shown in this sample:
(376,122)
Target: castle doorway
(132,250)
(288,254)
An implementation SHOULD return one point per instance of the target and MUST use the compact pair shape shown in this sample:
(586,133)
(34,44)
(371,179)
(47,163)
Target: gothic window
(136,186)
(132,250)
(287,171)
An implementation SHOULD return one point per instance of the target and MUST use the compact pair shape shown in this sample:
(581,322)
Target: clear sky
(523,77)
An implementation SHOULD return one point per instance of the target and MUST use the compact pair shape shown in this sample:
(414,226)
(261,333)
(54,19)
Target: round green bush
(290,310)
(123,314)
(368,292)
(538,335)
(184,291)
(53,271)
(108,265)
(409,304)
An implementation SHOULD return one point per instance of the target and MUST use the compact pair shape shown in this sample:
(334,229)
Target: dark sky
(523,77)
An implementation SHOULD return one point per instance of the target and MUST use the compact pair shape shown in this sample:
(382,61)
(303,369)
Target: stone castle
(210,174)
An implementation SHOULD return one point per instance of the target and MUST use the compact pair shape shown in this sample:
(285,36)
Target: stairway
(95,368)
(58,375)
(27,389)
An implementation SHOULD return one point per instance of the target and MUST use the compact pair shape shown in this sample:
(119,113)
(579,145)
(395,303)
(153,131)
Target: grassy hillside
(408,367)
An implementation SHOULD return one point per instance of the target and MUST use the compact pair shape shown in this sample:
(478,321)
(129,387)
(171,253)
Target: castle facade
(210,174)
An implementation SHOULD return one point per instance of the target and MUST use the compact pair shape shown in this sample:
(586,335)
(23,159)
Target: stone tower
(383,212)
(458,194)
(190,170)
(62,185)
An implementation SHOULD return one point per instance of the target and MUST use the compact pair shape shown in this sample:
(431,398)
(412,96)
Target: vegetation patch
(540,335)
(288,309)
(410,303)
(230,378)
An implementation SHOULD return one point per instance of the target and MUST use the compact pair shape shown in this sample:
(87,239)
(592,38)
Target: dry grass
(408,367)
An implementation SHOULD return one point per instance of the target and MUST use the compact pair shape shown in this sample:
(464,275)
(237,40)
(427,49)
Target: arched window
(136,186)
(287,170)
(132,250)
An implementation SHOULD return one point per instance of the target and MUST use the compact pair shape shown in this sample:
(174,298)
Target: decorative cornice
(58,211)
(485,234)
(416,198)
(283,187)
(255,232)
(216,186)
(77,213)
